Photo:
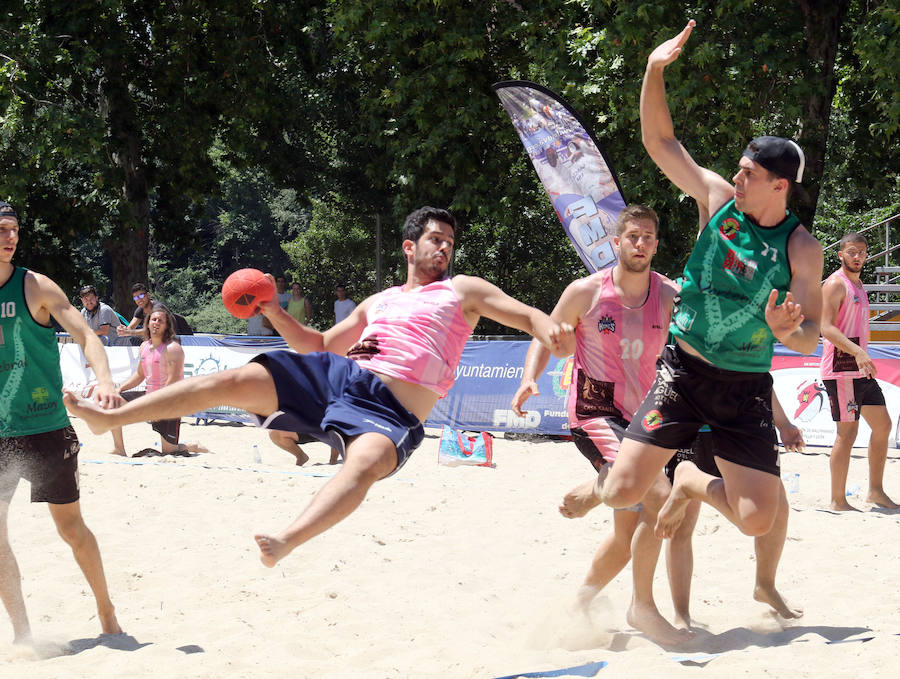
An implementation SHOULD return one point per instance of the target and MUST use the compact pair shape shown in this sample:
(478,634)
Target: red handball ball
(245,290)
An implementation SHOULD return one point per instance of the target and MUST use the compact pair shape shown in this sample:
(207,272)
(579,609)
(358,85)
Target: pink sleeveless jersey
(417,336)
(156,371)
(616,352)
(852,320)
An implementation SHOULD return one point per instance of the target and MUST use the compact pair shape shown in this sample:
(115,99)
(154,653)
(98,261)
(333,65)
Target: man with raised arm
(37,442)
(402,347)
(752,279)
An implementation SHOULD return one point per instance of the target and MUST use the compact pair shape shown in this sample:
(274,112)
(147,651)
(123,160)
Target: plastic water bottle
(256,458)
(853,490)
(795,483)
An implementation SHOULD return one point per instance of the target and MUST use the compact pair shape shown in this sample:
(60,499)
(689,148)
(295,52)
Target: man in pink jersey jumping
(848,373)
(402,347)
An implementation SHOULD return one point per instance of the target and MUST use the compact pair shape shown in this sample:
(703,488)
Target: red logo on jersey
(729,228)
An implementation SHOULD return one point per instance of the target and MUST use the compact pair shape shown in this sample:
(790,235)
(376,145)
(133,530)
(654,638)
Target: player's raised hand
(667,52)
(784,318)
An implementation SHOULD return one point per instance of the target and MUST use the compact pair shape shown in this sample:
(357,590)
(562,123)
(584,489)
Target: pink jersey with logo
(156,370)
(616,352)
(415,336)
(852,320)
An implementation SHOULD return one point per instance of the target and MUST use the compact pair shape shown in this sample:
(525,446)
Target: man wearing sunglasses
(141,297)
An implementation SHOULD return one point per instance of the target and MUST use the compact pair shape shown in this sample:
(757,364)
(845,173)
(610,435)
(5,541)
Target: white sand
(443,572)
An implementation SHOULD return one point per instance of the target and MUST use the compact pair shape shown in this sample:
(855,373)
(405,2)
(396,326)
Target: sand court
(457,572)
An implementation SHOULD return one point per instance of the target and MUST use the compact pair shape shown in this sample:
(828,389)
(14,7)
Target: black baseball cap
(779,156)
(7,210)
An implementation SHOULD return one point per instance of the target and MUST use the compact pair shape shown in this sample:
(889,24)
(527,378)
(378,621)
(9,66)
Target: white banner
(123,361)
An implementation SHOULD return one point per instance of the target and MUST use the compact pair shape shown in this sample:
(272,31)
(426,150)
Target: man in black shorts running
(752,279)
(36,440)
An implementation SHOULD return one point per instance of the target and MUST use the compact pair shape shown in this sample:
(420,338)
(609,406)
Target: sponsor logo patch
(652,421)
(729,228)
(606,325)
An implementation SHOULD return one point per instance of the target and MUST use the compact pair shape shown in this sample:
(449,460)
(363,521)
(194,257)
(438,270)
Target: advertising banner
(577,177)
(489,375)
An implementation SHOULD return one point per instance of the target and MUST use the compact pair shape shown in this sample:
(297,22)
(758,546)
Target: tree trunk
(823,22)
(129,242)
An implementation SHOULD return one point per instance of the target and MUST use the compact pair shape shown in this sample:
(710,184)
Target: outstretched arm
(658,133)
(480,298)
(301,338)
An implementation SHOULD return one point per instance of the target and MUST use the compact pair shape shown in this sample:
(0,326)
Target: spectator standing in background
(284,295)
(343,305)
(298,306)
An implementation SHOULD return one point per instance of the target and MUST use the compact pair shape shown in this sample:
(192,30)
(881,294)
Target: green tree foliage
(208,134)
(109,111)
(244,228)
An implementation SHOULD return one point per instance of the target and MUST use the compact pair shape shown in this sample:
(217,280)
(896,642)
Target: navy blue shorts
(48,461)
(332,399)
(688,392)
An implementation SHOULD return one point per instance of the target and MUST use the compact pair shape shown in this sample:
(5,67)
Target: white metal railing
(885,290)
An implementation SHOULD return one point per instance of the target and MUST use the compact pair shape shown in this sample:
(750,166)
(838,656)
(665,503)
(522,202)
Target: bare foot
(85,409)
(195,447)
(771,596)
(682,621)
(583,599)
(646,618)
(583,497)
(108,622)
(842,506)
(335,456)
(880,498)
(23,639)
(302,458)
(121,453)
(272,550)
(672,513)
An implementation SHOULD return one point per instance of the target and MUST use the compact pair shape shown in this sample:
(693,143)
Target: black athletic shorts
(701,453)
(48,461)
(848,395)
(169,430)
(688,392)
(599,442)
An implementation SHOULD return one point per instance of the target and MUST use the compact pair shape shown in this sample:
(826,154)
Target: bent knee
(621,496)
(757,523)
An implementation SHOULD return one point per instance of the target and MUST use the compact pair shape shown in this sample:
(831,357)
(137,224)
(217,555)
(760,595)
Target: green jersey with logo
(733,267)
(30,377)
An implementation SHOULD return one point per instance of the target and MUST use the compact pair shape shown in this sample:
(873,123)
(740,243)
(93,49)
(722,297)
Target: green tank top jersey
(30,377)
(733,267)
